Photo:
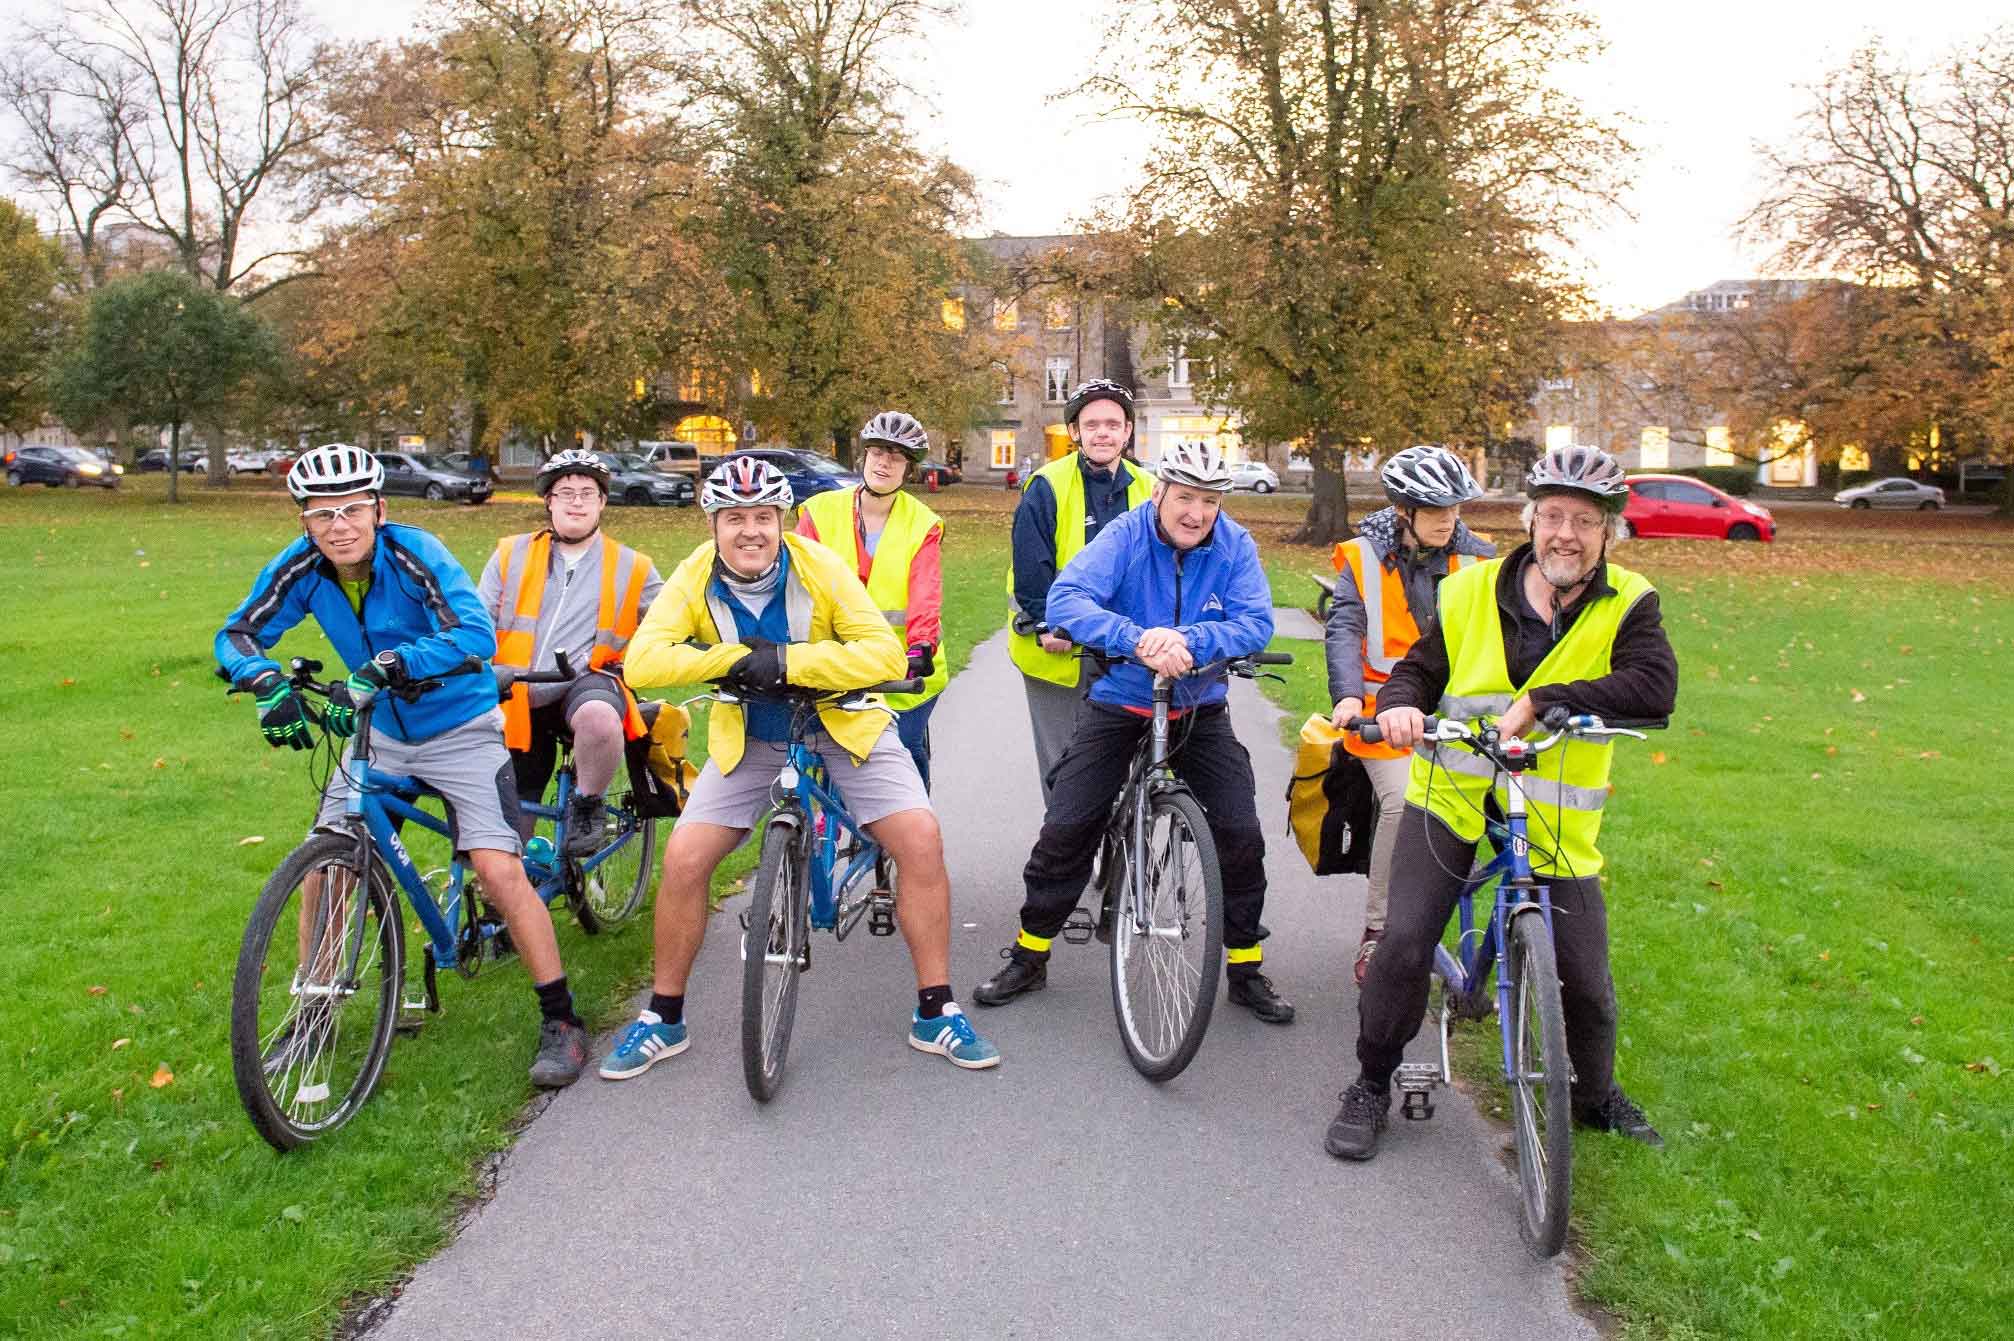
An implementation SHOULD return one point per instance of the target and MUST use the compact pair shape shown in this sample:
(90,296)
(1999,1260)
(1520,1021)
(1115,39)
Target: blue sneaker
(643,1045)
(950,1035)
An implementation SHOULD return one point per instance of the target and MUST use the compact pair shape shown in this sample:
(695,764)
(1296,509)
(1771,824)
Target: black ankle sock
(931,1001)
(670,1009)
(555,1002)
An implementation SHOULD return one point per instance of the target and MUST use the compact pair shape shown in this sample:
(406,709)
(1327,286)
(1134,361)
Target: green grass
(133,783)
(1814,950)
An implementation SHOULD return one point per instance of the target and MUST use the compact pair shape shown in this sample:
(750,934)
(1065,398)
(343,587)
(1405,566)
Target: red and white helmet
(745,482)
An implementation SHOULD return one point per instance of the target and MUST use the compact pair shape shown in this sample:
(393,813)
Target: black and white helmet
(1098,388)
(1581,470)
(745,482)
(897,430)
(572,461)
(1428,477)
(333,470)
(1197,464)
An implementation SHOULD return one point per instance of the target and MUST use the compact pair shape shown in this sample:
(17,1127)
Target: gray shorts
(468,765)
(885,784)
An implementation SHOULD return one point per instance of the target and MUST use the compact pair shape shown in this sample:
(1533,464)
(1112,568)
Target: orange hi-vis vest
(522,562)
(1389,628)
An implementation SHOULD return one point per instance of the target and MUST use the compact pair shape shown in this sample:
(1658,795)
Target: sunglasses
(353,513)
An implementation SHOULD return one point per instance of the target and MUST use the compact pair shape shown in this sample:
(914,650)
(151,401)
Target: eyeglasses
(576,495)
(1553,520)
(353,513)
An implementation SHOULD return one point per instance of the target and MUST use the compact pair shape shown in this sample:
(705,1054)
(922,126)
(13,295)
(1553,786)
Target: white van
(679,457)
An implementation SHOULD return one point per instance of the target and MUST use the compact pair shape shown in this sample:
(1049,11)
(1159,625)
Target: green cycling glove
(350,697)
(283,718)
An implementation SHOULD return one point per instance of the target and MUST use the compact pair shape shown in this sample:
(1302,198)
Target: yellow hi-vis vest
(1067,481)
(908,526)
(522,561)
(1389,628)
(1570,784)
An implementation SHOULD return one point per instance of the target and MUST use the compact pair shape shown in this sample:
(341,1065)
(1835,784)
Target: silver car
(1892,493)
(1254,475)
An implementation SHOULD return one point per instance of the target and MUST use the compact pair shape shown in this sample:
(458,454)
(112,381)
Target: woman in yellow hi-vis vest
(892,541)
(1385,581)
(1062,506)
(1554,624)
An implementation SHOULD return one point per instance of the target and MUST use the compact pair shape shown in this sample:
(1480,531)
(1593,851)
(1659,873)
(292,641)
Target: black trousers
(1206,754)
(1430,862)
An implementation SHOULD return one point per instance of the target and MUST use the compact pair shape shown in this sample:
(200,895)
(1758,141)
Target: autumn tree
(160,349)
(836,236)
(1903,179)
(1349,225)
(31,317)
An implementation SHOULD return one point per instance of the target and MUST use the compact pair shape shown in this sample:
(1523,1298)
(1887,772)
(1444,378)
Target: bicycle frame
(805,780)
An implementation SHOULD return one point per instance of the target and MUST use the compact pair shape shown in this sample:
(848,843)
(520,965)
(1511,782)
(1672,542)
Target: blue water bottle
(539,854)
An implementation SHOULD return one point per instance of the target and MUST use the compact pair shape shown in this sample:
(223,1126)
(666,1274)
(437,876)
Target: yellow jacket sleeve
(659,653)
(851,645)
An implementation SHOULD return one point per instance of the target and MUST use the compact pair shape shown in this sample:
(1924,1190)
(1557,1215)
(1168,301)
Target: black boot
(586,818)
(1027,971)
(1617,1112)
(1254,991)
(1365,1113)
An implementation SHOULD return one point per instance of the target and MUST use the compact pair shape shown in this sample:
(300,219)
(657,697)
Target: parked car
(1254,475)
(938,471)
(473,463)
(192,462)
(1678,505)
(250,461)
(61,467)
(1892,493)
(808,472)
(634,481)
(682,457)
(427,476)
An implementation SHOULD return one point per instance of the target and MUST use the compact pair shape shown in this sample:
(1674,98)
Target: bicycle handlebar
(1563,724)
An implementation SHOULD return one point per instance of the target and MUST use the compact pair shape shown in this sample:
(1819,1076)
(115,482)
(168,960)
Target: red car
(1677,505)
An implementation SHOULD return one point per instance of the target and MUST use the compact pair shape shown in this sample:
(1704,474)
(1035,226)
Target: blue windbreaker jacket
(421,604)
(1130,579)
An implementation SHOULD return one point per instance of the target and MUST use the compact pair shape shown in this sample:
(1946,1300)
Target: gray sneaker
(1365,1113)
(562,1054)
(586,823)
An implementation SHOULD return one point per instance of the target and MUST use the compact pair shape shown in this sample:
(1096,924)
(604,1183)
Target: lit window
(954,314)
(1558,436)
(1007,316)
(1056,380)
(1001,441)
(755,387)
(1854,457)
(1654,449)
(701,385)
(1718,450)
(1057,315)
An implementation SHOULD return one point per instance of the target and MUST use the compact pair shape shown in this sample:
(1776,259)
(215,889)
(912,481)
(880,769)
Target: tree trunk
(220,470)
(1328,518)
(174,461)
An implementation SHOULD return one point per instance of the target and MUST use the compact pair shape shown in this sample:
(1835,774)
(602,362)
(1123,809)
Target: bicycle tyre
(613,892)
(772,954)
(299,1078)
(1163,992)
(1541,1101)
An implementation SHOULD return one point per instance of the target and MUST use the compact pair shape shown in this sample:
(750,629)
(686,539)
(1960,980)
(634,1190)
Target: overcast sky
(1704,80)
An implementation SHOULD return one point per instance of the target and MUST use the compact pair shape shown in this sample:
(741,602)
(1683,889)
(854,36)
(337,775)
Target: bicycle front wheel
(1540,1088)
(614,890)
(316,993)
(1168,939)
(772,953)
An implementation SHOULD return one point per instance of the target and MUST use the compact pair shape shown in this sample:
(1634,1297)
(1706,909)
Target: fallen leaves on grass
(95,990)
(160,763)
(251,840)
(1859,697)
(1657,756)
(162,1077)
(119,1043)
(1986,1065)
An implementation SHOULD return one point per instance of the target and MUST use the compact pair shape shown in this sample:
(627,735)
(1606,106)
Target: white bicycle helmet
(572,461)
(1428,477)
(1581,470)
(1197,464)
(745,482)
(898,430)
(333,470)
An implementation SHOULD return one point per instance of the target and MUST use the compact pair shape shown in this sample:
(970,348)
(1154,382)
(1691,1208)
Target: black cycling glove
(283,718)
(761,671)
(922,661)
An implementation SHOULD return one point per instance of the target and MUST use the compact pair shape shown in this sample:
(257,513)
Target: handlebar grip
(1271,658)
(895,687)
(561,664)
(1638,723)
(1367,729)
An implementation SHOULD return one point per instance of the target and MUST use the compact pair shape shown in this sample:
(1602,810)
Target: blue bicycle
(813,873)
(320,981)
(1517,944)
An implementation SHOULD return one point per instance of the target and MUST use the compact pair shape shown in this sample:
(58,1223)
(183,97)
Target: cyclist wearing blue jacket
(1171,585)
(398,606)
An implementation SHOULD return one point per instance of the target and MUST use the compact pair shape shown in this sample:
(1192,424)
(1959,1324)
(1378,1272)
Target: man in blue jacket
(1170,585)
(397,606)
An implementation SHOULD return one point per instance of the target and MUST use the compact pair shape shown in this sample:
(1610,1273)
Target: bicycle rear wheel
(1540,1088)
(614,890)
(316,993)
(1168,948)
(772,953)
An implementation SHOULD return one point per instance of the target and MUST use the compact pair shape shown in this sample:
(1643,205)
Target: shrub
(1737,480)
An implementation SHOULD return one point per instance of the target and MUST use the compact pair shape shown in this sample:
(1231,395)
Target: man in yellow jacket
(761,610)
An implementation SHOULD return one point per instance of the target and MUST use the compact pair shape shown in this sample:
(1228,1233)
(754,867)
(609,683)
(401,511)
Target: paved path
(886,1193)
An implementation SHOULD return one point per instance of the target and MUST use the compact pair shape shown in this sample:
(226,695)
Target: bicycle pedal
(1079,928)
(881,913)
(412,1014)
(1417,1082)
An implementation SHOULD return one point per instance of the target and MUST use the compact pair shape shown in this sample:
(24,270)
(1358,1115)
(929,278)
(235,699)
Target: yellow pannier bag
(660,776)
(1331,807)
